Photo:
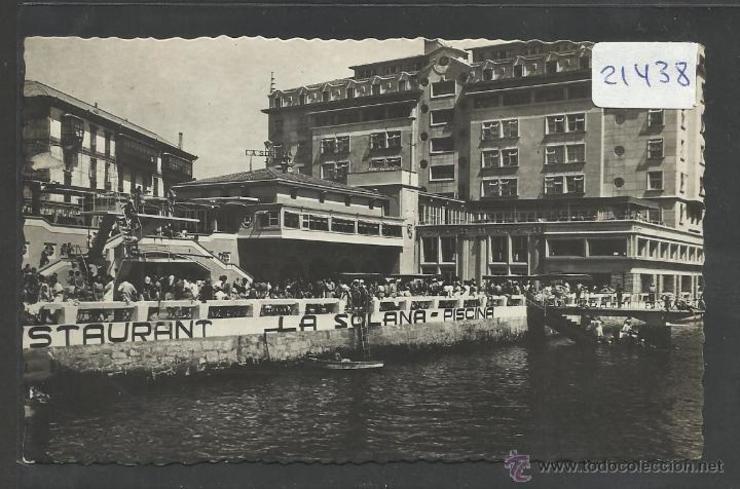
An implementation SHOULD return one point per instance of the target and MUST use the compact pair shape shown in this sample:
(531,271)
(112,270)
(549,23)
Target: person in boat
(339,358)
(627,331)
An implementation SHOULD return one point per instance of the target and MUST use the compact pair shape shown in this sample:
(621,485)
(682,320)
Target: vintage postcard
(369,250)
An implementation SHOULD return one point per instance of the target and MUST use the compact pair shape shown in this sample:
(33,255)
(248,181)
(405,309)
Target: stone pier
(184,356)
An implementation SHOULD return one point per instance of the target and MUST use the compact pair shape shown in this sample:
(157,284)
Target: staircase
(193,251)
(539,315)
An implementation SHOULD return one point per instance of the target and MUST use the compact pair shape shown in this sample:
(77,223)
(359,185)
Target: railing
(408,304)
(510,219)
(93,312)
(629,301)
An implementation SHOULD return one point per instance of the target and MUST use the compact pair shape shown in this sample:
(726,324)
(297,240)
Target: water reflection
(552,400)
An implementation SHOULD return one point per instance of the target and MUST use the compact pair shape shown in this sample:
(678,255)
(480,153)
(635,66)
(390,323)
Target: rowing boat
(346,364)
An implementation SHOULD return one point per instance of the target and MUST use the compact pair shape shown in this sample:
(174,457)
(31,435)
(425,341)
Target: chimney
(96,105)
(179,140)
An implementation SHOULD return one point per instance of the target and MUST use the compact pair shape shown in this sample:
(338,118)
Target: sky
(211,89)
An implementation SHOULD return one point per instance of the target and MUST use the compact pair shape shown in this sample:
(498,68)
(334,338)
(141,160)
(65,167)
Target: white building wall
(101,174)
(100,141)
(126,176)
(55,128)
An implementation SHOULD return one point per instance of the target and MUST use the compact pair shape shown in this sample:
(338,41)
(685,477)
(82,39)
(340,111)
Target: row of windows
(508,128)
(501,187)
(323,223)
(554,185)
(556,154)
(554,124)
(376,88)
(555,214)
(378,140)
(522,70)
(500,158)
(339,144)
(670,251)
(385,164)
(439,250)
(564,184)
(335,171)
(565,153)
(562,123)
(389,69)
(523,97)
(385,140)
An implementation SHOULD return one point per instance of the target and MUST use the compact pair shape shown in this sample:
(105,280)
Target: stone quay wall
(185,356)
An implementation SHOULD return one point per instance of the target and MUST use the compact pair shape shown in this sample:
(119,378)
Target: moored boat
(347,364)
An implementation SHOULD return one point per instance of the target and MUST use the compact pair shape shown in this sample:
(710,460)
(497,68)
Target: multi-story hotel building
(74,152)
(504,165)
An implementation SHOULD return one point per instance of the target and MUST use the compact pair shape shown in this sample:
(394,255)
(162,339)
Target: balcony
(175,164)
(133,153)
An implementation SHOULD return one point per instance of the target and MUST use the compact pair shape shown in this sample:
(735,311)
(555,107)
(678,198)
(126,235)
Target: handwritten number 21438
(659,72)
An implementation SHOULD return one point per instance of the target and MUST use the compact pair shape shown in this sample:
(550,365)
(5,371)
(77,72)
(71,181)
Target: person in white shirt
(219,293)
(127,291)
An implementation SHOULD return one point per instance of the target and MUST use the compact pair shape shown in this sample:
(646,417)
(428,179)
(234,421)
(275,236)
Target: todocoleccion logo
(517,464)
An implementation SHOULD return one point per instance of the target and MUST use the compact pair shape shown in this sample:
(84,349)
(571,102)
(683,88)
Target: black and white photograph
(371,250)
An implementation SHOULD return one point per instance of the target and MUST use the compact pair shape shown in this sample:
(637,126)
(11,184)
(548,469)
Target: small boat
(347,364)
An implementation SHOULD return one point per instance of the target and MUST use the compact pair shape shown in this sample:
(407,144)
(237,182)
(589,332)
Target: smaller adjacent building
(75,150)
(75,153)
(289,224)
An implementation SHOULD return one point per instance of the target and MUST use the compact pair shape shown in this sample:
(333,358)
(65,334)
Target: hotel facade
(506,166)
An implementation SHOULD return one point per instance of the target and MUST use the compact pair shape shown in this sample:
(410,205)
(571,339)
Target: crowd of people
(79,285)
(93,285)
